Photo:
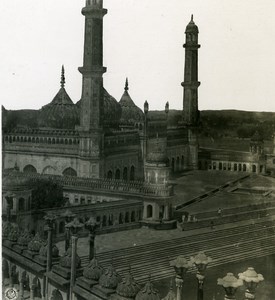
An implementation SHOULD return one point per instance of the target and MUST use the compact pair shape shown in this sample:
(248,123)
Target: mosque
(98,136)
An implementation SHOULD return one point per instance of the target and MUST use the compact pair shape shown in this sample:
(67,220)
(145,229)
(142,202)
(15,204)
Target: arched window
(69,172)
(199,165)
(110,220)
(132,173)
(21,204)
(244,167)
(254,168)
(133,216)
(29,169)
(178,164)
(37,288)
(149,211)
(235,167)
(125,173)
(56,295)
(117,175)
(127,217)
(104,221)
(61,227)
(173,164)
(220,166)
(110,174)
(120,221)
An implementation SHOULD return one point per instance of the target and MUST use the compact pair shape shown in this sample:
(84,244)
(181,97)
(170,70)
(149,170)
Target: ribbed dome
(128,288)
(61,112)
(93,271)
(110,279)
(192,27)
(148,293)
(112,110)
(131,114)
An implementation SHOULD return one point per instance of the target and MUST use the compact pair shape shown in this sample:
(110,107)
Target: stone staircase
(224,246)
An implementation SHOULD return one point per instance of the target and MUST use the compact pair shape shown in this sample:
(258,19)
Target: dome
(131,114)
(110,278)
(192,27)
(93,271)
(44,250)
(36,243)
(256,137)
(66,260)
(128,288)
(112,109)
(148,293)
(25,238)
(61,112)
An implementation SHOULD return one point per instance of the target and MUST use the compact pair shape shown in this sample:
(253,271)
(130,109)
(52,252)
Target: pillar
(73,266)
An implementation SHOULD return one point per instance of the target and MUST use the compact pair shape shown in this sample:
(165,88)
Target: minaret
(191,83)
(91,116)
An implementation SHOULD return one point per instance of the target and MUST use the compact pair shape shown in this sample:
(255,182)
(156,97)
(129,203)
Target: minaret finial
(126,85)
(192,18)
(62,82)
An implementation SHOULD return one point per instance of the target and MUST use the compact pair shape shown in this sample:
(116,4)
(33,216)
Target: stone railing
(114,185)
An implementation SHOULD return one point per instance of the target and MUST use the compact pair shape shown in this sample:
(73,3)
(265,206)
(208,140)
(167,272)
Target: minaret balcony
(93,70)
(94,12)
(191,84)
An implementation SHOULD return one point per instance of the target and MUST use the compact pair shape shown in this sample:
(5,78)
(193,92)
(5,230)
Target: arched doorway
(173,164)
(21,204)
(133,217)
(110,174)
(132,173)
(125,174)
(29,169)
(117,175)
(254,168)
(127,217)
(61,227)
(149,211)
(178,164)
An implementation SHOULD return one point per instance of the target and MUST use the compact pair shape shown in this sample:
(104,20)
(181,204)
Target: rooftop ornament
(74,226)
(230,284)
(251,280)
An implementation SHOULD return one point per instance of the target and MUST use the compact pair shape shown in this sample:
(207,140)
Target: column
(179,284)
(73,266)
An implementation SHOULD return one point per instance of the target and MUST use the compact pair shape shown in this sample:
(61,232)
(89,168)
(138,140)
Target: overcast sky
(142,40)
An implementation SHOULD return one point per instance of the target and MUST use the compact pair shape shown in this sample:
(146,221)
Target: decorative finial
(62,82)
(126,85)
(192,18)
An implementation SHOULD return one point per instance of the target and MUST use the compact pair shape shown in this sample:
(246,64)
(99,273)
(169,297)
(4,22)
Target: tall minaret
(91,116)
(191,83)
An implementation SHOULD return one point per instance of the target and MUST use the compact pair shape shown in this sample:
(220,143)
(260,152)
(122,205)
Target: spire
(62,82)
(192,19)
(126,85)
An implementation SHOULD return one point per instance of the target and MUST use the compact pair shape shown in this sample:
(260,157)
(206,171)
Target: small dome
(25,238)
(110,278)
(93,271)
(44,250)
(128,288)
(148,293)
(131,114)
(36,243)
(61,112)
(192,27)
(66,260)
(256,137)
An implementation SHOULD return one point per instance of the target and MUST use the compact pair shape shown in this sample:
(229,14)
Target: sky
(142,40)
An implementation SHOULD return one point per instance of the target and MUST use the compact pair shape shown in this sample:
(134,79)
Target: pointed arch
(132,173)
(117,175)
(29,169)
(49,170)
(110,174)
(125,174)
(70,172)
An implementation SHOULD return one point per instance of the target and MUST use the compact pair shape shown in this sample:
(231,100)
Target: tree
(47,193)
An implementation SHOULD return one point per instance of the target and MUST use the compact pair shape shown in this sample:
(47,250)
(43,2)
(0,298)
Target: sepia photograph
(138,149)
